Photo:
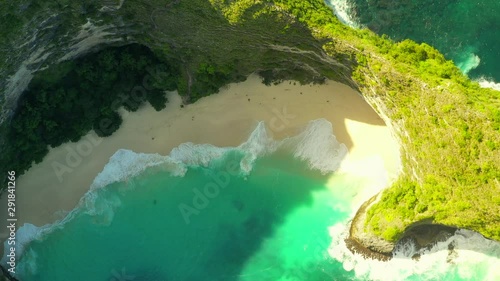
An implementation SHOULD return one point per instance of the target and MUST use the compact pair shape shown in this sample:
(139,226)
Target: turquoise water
(233,238)
(466,31)
(279,221)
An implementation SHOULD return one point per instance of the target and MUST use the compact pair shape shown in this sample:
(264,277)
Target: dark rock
(367,244)
(425,234)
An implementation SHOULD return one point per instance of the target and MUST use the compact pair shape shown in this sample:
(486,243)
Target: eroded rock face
(425,234)
(365,243)
(48,39)
(369,253)
(61,34)
(90,38)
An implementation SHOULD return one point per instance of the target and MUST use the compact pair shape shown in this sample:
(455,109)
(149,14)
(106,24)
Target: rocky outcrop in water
(364,243)
(422,235)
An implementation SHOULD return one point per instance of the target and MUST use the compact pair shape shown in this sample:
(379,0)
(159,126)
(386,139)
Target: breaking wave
(489,83)
(468,62)
(472,258)
(316,145)
(466,255)
(344,12)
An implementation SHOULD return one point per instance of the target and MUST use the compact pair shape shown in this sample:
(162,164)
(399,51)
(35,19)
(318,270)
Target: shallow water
(256,212)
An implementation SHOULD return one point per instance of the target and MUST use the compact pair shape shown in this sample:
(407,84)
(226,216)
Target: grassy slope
(450,129)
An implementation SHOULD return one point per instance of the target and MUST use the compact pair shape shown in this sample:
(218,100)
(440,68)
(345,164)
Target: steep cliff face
(52,36)
(191,31)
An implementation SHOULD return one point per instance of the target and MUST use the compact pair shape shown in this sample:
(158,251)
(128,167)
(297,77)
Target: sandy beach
(50,189)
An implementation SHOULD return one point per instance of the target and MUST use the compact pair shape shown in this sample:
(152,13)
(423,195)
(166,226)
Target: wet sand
(50,189)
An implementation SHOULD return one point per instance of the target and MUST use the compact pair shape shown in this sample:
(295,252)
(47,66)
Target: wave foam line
(488,83)
(125,164)
(24,235)
(317,145)
(473,258)
(343,10)
(468,62)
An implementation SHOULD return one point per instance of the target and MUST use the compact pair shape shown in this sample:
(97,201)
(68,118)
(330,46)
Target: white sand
(224,119)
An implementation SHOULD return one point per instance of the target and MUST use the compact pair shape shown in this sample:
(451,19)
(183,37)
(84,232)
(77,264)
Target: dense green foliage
(18,16)
(66,101)
(447,125)
(449,129)
(224,41)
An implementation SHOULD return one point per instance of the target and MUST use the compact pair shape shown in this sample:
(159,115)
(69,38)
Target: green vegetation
(449,127)
(224,41)
(18,16)
(66,101)
(194,47)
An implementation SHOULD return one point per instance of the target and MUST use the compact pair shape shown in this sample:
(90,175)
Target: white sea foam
(473,255)
(316,144)
(343,10)
(488,83)
(30,266)
(196,154)
(469,62)
(25,234)
(125,164)
(258,144)
(103,210)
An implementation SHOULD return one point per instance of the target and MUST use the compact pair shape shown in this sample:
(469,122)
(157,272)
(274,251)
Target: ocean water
(266,210)
(465,31)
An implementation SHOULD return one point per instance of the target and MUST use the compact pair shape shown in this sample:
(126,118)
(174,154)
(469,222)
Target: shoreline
(356,227)
(52,188)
